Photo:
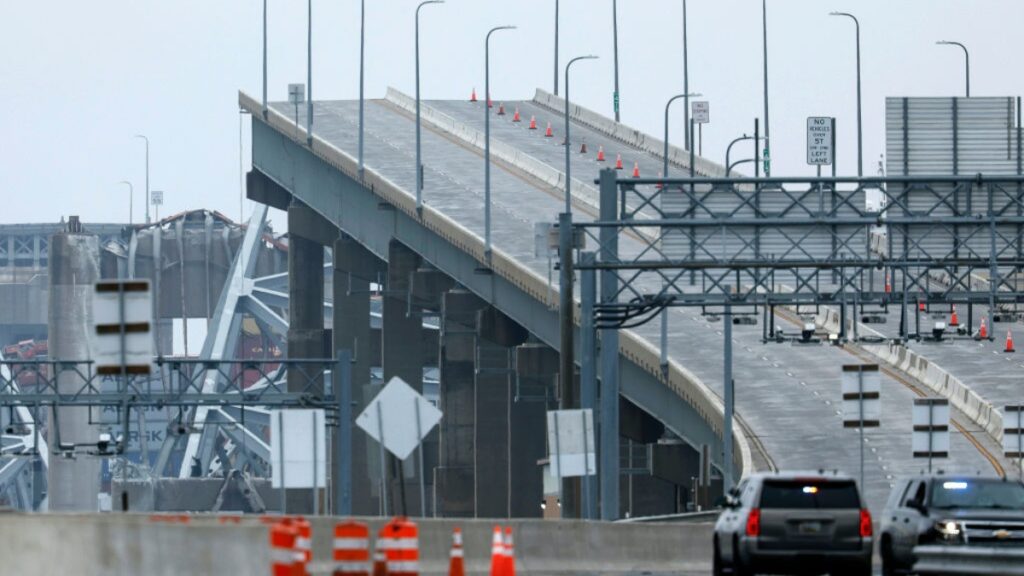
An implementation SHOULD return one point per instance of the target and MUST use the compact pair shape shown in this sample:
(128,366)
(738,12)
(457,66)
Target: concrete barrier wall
(934,377)
(628,135)
(134,544)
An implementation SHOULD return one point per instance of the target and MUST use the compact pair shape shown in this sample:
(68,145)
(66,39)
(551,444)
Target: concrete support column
(354,268)
(74,269)
(306,336)
(402,356)
(455,476)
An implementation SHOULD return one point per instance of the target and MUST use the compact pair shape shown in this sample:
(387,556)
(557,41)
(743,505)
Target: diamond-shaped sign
(392,417)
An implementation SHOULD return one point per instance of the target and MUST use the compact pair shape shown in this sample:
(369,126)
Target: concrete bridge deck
(791,405)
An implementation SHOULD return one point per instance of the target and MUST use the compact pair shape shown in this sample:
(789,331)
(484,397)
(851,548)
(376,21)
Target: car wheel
(716,561)
(888,562)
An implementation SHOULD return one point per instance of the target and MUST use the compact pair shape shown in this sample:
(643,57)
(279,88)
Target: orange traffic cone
(380,563)
(953,320)
(636,169)
(548,133)
(501,109)
(583,148)
(920,306)
(1009,343)
(497,553)
(983,331)
(510,555)
(489,103)
(659,185)
(515,117)
(457,562)
(533,122)
(600,153)
(472,97)
(618,161)
(888,283)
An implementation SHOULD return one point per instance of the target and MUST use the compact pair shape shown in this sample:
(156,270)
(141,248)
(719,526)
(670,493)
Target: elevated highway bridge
(787,395)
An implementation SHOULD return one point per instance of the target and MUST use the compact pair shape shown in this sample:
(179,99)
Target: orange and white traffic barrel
(351,549)
(399,539)
(282,549)
(304,545)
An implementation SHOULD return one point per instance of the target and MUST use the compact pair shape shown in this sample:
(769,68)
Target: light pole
(728,150)
(556,51)
(362,77)
(860,133)
(615,49)
(568,144)
(419,153)
(131,201)
(264,59)
(668,104)
(686,95)
(764,36)
(147,174)
(967,61)
(487,139)
(309,72)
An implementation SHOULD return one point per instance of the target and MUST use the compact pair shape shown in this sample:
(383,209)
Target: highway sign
(296,93)
(156,198)
(571,442)
(701,111)
(615,97)
(1013,431)
(931,428)
(399,418)
(298,439)
(123,314)
(820,140)
(861,388)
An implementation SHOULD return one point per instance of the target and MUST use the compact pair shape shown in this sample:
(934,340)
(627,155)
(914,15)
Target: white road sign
(296,93)
(931,428)
(123,314)
(1013,431)
(861,388)
(298,436)
(392,418)
(157,198)
(820,140)
(571,443)
(700,110)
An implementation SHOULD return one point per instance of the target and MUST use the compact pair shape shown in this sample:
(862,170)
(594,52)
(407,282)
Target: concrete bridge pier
(354,268)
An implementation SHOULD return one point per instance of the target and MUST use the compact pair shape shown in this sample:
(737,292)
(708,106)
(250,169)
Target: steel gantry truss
(731,245)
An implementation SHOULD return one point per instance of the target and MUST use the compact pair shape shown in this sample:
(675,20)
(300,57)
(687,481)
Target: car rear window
(809,494)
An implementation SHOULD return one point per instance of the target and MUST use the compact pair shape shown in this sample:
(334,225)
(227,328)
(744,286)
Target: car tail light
(754,523)
(865,523)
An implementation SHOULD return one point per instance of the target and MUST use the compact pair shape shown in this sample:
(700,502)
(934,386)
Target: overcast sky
(79,79)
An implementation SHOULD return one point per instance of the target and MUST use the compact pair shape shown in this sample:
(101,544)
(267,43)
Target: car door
(907,521)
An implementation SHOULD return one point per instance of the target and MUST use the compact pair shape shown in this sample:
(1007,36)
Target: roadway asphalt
(788,394)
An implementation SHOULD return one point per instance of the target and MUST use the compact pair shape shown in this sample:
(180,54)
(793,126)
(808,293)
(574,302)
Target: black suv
(949,511)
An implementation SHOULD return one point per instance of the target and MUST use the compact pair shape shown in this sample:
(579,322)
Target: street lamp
(764,37)
(615,49)
(309,72)
(687,95)
(487,139)
(362,77)
(419,153)
(728,150)
(556,48)
(147,174)
(131,200)
(568,144)
(860,132)
(967,61)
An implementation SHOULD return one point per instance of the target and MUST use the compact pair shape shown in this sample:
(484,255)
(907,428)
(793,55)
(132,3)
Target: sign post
(931,429)
(862,405)
(820,141)
(700,111)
